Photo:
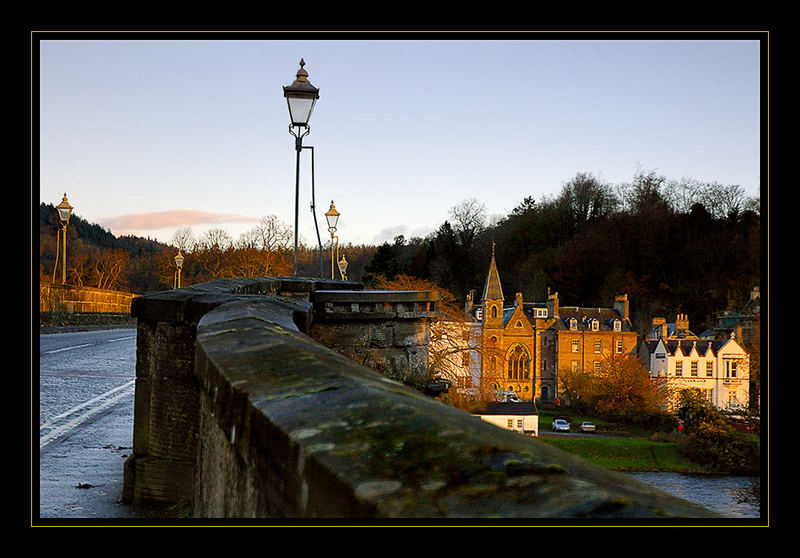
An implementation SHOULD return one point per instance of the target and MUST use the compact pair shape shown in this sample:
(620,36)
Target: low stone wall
(57,298)
(241,414)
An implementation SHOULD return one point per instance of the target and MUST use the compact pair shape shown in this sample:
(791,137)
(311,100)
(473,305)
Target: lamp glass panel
(300,110)
(332,220)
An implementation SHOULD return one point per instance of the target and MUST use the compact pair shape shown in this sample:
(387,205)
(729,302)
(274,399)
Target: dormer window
(573,324)
(594,325)
(617,325)
(541,312)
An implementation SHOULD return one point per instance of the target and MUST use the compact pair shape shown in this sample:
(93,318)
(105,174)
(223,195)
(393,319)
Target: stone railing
(240,412)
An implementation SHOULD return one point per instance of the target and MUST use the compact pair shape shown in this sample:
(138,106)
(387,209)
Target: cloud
(175,218)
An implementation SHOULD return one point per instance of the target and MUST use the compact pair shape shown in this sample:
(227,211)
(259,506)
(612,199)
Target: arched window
(518,361)
(494,311)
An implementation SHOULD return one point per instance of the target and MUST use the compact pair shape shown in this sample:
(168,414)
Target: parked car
(560,425)
(587,426)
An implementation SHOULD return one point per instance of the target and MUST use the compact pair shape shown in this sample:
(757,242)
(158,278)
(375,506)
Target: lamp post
(300,98)
(343,268)
(333,218)
(64,213)
(176,284)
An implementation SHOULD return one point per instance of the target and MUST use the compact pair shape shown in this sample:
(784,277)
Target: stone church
(521,348)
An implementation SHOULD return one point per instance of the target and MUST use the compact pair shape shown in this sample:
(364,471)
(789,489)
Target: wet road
(86,386)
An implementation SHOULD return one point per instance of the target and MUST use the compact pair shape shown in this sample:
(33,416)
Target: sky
(145,136)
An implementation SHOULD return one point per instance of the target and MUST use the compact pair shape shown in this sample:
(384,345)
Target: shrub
(722,449)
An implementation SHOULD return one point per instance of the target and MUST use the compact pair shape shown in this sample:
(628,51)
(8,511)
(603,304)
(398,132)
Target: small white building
(519,417)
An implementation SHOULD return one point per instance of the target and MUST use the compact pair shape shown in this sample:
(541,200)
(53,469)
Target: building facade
(522,347)
(718,368)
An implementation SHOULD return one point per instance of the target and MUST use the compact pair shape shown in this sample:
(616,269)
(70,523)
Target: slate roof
(686,345)
(508,409)
(604,316)
(492,290)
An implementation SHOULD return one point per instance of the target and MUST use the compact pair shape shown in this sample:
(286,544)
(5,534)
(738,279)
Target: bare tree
(469,218)
(183,238)
(270,234)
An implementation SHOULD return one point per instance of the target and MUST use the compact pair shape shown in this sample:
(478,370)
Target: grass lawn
(626,454)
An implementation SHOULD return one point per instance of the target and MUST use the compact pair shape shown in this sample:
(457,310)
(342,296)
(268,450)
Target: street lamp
(300,98)
(343,268)
(333,218)
(64,213)
(176,283)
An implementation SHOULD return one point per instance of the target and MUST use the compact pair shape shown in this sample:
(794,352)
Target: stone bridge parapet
(240,412)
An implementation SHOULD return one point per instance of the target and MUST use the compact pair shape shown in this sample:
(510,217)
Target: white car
(587,426)
(560,425)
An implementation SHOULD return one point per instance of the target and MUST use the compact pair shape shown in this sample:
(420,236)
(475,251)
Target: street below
(86,392)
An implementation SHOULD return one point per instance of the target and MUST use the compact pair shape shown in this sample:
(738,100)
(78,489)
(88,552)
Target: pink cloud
(174,218)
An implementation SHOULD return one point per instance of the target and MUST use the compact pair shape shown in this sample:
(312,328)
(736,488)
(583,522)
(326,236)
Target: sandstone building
(522,347)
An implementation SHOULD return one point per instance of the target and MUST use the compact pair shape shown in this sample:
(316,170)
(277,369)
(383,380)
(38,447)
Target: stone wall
(259,420)
(55,297)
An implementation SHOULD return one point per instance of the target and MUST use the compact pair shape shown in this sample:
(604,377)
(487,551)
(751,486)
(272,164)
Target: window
(518,324)
(679,368)
(731,368)
(510,423)
(709,369)
(594,324)
(620,346)
(573,324)
(576,346)
(519,423)
(518,363)
(693,372)
(494,311)
(617,325)
(597,366)
(598,346)
(541,312)
(493,363)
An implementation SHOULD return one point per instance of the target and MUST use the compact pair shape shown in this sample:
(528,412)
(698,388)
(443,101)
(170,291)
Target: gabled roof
(686,346)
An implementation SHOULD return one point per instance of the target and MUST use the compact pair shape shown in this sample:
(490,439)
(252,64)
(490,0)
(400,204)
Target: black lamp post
(64,212)
(300,97)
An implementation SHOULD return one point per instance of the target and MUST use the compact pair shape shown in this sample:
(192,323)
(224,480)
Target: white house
(718,368)
(519,417)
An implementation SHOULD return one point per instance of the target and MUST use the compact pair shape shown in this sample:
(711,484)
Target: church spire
(492,290)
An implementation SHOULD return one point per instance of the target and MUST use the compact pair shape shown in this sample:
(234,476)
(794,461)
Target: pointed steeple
(492,290)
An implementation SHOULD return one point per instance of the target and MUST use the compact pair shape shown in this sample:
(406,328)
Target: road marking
(69,425)
(67,348)
(122,338)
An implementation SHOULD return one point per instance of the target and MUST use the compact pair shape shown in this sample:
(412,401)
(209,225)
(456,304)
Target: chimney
(621,305)
(661,324)
(518,298)
(552,304)
(682,322)
(470,300)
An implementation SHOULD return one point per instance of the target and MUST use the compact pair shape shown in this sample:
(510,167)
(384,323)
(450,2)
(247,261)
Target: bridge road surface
(86,387)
